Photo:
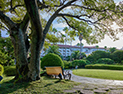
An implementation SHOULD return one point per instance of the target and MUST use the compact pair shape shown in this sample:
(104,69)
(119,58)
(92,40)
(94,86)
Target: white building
(66,50)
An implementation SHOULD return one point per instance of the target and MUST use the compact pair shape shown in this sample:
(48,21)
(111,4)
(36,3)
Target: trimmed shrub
(10,70)
(104,66)
(1,69)
(117,56)
(105,61)
(51,59)
(80,63)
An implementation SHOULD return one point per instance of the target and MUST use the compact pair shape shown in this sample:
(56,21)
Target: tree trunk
(36,38)
(20,55)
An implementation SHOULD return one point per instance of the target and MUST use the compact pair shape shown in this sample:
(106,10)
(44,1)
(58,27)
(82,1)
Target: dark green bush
(51,59)
(80,63)
(117,56)
(94,56)
(105,61)
(67,64)
(104,66)
(1,69)
(10,70)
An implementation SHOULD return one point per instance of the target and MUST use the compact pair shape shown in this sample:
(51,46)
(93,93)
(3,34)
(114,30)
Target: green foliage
(94,56)
(51,59)
(117,56)
(1,69)
(10,70)
(54,49)
(67,64)
(6,52)
(111,50)
(76,55)
(105,61)
(104,66)
(5,59)
(80,63)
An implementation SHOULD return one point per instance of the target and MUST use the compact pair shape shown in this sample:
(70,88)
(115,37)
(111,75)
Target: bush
(51,59)
(104,66)
(80,63)
(67,64)
(117,56)
(94,56)
(105,61)
(10,70)
(1,69)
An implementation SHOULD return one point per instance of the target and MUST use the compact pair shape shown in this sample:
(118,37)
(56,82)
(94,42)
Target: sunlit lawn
(44,86)
(98,73)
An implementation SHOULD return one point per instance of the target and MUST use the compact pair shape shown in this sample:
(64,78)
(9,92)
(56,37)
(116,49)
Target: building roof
(69,46)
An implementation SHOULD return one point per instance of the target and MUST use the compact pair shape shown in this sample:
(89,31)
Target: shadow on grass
(8,86)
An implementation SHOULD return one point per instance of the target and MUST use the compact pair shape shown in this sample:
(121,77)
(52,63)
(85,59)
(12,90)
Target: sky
(105,42)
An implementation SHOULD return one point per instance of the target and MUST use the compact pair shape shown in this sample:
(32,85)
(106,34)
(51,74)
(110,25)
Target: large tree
(92,18)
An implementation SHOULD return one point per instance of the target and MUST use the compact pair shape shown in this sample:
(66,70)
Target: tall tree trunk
(20,54)
(36,38)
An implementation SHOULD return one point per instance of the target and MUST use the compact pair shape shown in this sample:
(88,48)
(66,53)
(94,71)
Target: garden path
(95,86)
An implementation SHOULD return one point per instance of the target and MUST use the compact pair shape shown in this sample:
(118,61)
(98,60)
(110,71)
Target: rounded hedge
(105,61)
(51,59)
(1,69)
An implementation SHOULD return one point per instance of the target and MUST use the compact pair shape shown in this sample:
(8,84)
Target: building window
(64,54)
(63,50)
(67,50)
(67,54)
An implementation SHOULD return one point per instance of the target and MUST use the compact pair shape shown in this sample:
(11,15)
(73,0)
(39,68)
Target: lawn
(44,86)
(99,73)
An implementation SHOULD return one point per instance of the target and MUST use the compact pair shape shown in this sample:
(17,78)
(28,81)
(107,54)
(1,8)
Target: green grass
(44,86)
(98,73)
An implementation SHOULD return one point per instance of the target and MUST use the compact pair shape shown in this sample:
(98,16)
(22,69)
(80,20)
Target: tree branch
(4,27)
(33,13)
(79,18)
(25,22)
(55,15)
(7,21)
(68,23)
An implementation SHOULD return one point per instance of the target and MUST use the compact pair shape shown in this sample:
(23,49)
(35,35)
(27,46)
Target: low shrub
(51,59)
(10,70)
(105,61)
(67,64)
(104,66)
(1,69)
(80,63)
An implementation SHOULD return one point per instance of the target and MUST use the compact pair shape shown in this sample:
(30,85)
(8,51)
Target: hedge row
(104,66)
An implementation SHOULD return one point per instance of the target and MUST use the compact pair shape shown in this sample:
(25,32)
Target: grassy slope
(44,86)
(98,73)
